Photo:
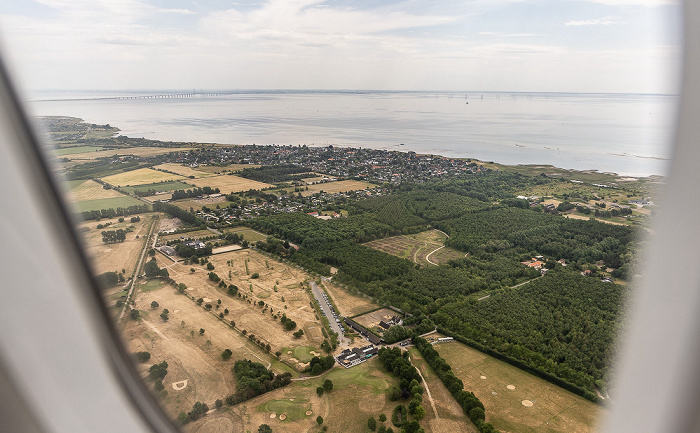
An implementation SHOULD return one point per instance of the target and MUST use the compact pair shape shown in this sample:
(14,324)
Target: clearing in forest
(139,177)
(507,392)
(424,248)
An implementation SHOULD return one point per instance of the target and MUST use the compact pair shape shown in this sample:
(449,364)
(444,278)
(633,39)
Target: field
(248,234)
(114,257)
(339,186)
(159,186)
(136,151)
(215,169)
(75,149)
(443,414)
(505,390)
(425,248)
(107,203)
(278,286)
(90,190)
(371,320)
(139,177)
(358,392)
(348,304)
(229,183)
(183,170)
(196,234)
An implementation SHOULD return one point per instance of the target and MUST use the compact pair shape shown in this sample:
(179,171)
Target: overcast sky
(503,45)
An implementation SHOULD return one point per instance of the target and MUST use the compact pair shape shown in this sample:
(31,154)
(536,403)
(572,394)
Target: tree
(164,273)
(154,305)
(319,391)
(134,314)
(327,385)
(181,287)
(151,252)
(142,356)
(151,268)
(319,420)
(164,315)
(226,354)
(372,424)
(219,403)
(264,428)
(255,275)
(419,413)
(382,417)
(210,266)
(201,331)
(158,386)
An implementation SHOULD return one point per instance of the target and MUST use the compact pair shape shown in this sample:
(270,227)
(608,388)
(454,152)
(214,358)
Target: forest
(560,326)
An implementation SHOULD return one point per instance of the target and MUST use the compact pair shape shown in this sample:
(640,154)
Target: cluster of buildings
(351,357)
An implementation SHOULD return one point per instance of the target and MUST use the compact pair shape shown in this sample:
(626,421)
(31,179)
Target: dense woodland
(561,325)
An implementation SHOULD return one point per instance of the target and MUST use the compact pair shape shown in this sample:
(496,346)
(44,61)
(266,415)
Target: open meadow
(349,304)
(424,248)
(338,186)
(182,170)
(143,152)
(63,151)
(228,183)
(107,203)
(90,190)
(277,285)
(139,177)
(117,256)
(248,234)
(516,401)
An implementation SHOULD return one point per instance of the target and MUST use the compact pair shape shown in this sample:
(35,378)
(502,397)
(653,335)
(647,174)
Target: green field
(553,410)
(107,203)
(76,149)
(161,186)
(151,285)
(295,410)
(248,234)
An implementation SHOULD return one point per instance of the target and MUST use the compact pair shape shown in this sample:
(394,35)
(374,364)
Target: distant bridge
(169,96)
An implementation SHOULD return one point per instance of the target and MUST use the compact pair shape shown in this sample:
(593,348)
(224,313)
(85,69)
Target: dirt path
(522,284)
(427,391)
(134,276)
(427,258)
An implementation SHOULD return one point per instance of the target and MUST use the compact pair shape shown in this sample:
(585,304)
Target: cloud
(605,21)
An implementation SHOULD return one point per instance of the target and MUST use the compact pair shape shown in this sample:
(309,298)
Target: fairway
(158,186)
(183,170)
(503,389)
(229,183)
(91,190)
(107,203)
(139,177)
(339,186)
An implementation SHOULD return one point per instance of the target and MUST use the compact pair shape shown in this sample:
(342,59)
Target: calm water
(626,134)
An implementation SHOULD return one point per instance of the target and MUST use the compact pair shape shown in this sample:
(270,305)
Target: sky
(616,46)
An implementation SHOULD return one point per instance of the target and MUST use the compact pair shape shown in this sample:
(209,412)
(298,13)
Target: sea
(628,134)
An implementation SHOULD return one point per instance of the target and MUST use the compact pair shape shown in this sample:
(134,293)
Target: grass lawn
(107,203)
(75,149)
(295,410)
(151,285)
(248,234)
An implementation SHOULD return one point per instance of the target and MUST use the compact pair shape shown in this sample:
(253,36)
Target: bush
(142,356)
(255,275)
(226,354)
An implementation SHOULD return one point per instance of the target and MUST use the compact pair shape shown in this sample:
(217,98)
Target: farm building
(351,357)
(167,250)
(364,332)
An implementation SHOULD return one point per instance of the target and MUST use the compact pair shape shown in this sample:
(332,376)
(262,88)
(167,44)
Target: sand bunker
(483,377)
(284,416)
(313,353)
(494,393)
(273,415)
(309,412)
(176,311)
(527,403)
(207,300)
(511,387)
(177,386)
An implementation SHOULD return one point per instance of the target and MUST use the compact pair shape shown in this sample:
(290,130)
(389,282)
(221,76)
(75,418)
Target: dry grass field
(183,170)
(196,234)
(115,257)
(339,186)
(444,415)
(228,183)
(248,234)
(139,177)
(136,151)
(503,389)
(289,298)
(348,303)
(230,168)
(91,190)
(425,248)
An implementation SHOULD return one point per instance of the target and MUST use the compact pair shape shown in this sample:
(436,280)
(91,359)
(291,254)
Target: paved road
(325,306)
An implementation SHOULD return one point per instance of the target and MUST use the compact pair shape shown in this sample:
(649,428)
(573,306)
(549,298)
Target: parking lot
(328,311)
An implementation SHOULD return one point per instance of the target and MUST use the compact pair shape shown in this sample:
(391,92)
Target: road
(326,307)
